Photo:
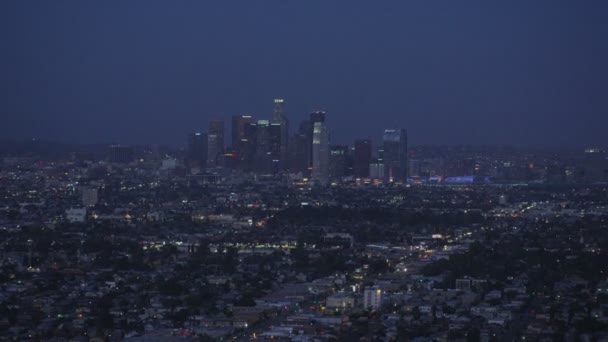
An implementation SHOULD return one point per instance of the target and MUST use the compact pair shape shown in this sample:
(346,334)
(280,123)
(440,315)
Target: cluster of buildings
(267,147)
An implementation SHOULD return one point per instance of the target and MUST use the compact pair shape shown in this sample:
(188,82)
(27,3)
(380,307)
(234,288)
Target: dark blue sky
(451,72)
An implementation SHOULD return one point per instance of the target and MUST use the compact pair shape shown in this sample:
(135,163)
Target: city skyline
(450,73)
(303,170)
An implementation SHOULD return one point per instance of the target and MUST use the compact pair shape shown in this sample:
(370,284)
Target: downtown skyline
(464,73)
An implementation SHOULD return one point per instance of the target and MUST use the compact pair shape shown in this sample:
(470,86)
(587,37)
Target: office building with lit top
(215,143)
(299,149)
(395,155)
(267,147)
(338,155)
(280,117)
(243,140)
(320,152)
(316,116)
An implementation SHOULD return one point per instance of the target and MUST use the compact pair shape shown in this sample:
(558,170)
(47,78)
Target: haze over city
(524,73)
(303,171)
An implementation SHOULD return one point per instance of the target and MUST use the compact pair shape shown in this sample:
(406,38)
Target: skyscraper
(300,149)
(395,155)
(215,142)
(262,145)
(197,151)
(242,136)
(248,145)
(268,147)
(316,116)
(337,161)
(277,153)
(363,157)
(320,152)
(239,122)
(280,117)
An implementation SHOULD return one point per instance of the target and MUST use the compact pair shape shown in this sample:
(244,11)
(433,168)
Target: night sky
(451,72)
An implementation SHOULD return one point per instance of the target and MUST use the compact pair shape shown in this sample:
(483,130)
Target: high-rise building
(197,151)
(215,143)
(337,161)
(395,155)
(376,169)
(268,147)
(246,159)
(121,154)
(320,152)
(239,122)
(277,163)
(316,116)
(363,157)
(262,146)
(242,139)
(299,149)
(279,116)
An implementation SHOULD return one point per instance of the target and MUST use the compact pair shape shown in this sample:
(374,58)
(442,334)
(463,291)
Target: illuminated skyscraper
(280,117)
(363,157)
(320,152)
(395,155)
(316,116)
(215,142)
(197,151)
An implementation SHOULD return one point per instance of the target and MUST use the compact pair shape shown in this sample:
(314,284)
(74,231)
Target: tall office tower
(280,117)
(395,155)
(248,146)
(276,148)
(262,145)
(268,147)
(197,151)
(337,161)
(316,116)
(320,152)
(215,143)
(240,129)
(299,149)
(121,154)
(301,154)
(363,157)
